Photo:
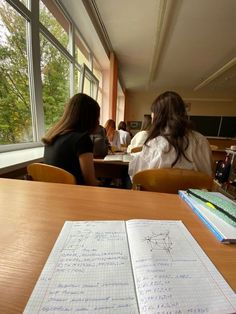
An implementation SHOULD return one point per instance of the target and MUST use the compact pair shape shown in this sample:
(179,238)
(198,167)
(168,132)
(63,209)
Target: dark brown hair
(122,126)
(147,122)
(81,114)
(170,121)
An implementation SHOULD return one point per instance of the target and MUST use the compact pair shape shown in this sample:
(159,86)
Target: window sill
(15,160)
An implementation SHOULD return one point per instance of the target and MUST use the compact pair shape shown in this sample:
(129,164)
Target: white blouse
(125,137)
(138,140)
(158,154)
(116,140)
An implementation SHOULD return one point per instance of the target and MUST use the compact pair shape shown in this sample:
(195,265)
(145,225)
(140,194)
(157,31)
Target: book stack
(216,210)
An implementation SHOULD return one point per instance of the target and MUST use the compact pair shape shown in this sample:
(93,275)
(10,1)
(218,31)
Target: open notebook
(119,157)
(137,266)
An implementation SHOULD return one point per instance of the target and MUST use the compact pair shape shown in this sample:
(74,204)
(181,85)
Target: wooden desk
(110,169)
(33,213)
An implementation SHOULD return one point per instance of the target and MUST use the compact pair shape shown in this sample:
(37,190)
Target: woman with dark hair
(171,141)
(125,137)
(68,144)
(140,137)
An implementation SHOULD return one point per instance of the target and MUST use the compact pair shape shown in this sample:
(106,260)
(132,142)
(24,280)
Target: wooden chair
(136,149)
(47,173)
(170,180)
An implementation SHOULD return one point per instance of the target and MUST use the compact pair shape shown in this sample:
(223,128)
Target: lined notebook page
(88,271)
(172,273)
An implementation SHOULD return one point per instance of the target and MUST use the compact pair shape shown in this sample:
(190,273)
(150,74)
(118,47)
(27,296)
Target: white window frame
(33,43)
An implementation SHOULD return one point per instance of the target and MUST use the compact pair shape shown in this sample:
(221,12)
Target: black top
(65,150)
(100,142)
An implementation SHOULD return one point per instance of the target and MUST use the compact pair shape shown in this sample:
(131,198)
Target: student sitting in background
(112,134)
(141,136)
(171,141)
(125,137)
(67,143)
(100,141)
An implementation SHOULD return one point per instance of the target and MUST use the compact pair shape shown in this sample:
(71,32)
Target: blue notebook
(215,210)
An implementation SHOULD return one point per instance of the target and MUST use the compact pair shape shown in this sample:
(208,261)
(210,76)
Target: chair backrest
(136,149)
(170,180)
(47,173)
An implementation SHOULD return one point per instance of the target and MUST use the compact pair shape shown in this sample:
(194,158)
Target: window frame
(35,28)
(87,73)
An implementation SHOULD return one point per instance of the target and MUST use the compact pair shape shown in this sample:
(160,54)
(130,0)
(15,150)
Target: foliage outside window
(18,113)
(15,109)
(55,82)
(55,22)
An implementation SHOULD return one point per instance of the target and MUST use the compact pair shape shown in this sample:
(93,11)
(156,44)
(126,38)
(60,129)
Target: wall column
(113,86)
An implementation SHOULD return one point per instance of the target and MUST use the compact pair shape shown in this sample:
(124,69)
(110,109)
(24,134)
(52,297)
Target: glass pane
(77,80)
(81,52)
(87,87)
(15,108)
(55,80)
(54,20)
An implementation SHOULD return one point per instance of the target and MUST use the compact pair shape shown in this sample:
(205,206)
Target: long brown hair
(170,121)
(81,114)
(147,122)
(110,127)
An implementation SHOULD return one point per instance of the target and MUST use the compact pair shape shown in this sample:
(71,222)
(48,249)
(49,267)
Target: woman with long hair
(112,134)
(171,141)
(125,137)
(141,136)
(68,144)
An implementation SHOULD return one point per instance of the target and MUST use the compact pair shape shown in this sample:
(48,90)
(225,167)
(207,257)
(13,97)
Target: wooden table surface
(33,213)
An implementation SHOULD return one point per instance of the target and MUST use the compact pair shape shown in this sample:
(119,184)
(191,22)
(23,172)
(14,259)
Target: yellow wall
(139,103)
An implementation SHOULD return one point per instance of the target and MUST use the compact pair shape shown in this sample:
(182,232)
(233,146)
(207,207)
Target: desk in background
(33,213)
(110,169)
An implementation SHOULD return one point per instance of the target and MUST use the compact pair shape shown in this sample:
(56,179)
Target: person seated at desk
(112,134)
(100,141)
(125,137)
(171,141)
(68,144)
(141,136)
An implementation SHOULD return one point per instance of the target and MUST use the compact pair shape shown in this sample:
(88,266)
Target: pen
(210,204)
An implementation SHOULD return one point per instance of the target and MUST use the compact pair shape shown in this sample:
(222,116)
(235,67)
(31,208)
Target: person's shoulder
(79,136)
(197,136)
(159,141)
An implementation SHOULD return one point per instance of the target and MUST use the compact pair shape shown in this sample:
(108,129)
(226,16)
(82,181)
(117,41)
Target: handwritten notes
(90,271)
(172,273)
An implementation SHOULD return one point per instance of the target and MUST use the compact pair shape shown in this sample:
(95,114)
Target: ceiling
(182,45)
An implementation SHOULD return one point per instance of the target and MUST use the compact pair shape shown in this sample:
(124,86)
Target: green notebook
(222,207)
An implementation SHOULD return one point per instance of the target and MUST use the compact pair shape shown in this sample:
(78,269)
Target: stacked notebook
(217,212)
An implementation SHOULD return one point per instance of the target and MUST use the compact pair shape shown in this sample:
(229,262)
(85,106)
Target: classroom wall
(139,103)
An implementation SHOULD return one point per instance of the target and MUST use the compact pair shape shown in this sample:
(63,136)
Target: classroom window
(89,83)
(81,51)
(55,21)
(98,73)
(38,67)
(15,105)
(77,75)
(55,81)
